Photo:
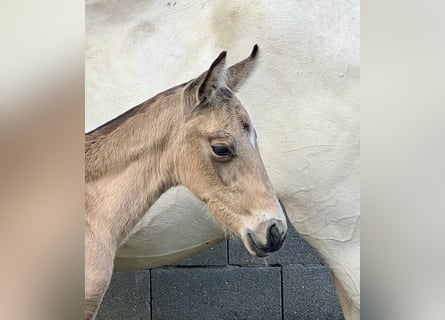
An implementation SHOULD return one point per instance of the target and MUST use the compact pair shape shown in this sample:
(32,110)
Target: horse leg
(98,271)
(349,308)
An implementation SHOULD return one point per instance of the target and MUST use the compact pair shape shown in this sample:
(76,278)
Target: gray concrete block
(216,293)
(309,293)
(295,250)
(127,298)
(216,256)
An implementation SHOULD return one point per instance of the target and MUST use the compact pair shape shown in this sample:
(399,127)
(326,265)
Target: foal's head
(219,161)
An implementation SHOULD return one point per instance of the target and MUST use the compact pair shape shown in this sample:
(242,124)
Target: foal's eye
(221,150)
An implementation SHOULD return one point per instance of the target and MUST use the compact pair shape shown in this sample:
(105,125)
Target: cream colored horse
(196,134)
(304,102)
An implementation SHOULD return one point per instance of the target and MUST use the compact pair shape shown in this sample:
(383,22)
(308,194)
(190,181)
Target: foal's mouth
(259,252)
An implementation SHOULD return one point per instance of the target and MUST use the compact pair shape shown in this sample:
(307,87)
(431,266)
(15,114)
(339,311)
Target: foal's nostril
(274,237)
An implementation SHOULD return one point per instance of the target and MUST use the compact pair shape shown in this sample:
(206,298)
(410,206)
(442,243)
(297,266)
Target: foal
(196,134)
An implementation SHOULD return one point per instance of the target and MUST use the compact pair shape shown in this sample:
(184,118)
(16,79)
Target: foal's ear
(213,79)
(239,72)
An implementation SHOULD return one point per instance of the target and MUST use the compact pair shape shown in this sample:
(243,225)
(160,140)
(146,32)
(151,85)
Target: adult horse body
(304,103)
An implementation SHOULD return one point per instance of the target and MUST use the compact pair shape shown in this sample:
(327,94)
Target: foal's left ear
(239,72)
(213,79)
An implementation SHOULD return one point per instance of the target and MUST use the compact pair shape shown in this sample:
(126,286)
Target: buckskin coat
(303,99)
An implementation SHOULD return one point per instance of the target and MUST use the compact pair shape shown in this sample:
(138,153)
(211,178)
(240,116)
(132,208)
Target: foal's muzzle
(276,232)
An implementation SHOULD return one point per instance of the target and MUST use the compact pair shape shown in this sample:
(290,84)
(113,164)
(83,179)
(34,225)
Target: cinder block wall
(225,282)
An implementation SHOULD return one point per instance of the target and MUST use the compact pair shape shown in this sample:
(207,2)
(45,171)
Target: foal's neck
(129,163)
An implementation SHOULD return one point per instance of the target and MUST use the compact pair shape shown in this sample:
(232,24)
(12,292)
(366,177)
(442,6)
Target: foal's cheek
(228,174)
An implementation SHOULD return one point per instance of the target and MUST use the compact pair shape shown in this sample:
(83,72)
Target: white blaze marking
(252,137)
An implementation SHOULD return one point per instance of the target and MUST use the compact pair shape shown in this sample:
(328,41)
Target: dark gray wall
(226,283)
